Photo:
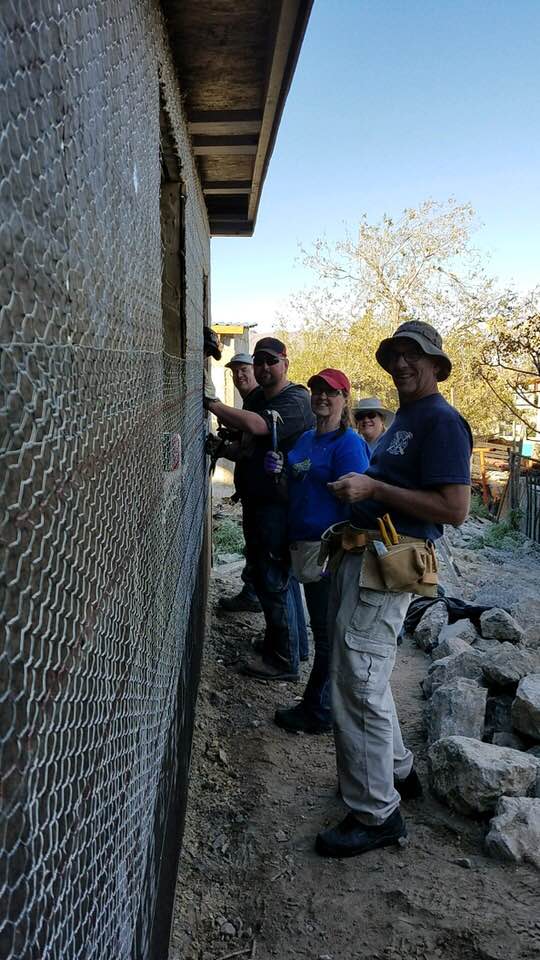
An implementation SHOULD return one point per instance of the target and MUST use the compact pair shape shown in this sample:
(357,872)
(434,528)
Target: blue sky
(395,101)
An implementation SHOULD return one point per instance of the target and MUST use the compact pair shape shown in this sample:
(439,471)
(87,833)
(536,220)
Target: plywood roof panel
(235,60)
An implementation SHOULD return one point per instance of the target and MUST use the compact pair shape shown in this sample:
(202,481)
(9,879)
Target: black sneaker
(240,603)
(410,788)
(298,720)
(351,838)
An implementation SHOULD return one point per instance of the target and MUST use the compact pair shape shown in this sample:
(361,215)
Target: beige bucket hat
(427,338)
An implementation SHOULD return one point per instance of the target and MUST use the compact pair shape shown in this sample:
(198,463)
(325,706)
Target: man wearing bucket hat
(418,480)
(371,419)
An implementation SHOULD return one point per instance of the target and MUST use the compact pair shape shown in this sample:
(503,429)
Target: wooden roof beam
(204,146)
(225,122)
(291,26)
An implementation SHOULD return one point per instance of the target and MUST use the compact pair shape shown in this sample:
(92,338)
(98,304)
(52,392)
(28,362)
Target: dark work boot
(299,720)
(261,669)
(410,788)
(350,838)
(241,602)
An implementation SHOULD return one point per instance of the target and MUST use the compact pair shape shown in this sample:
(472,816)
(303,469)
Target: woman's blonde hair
(346,420)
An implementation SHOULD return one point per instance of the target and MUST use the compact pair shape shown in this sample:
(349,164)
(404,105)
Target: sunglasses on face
(260,359)
(409,356)
(328,391)
(366,415)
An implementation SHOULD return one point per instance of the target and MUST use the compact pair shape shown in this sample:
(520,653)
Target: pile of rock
(483,724)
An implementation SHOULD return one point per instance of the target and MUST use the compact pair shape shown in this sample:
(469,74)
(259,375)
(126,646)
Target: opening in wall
(173,296)
(173,246)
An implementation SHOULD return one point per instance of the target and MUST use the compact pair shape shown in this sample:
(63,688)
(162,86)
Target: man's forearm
(432,505)
(243,420)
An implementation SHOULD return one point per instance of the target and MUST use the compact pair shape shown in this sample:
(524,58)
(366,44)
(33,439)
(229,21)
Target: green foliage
(502,536)
(478,507)
(419,264)
(228,537)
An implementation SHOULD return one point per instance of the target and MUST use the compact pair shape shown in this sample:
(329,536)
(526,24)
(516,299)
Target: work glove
(209,389)
(213,446)
(273,463)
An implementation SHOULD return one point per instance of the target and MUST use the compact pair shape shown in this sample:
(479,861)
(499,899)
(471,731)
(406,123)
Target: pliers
(388,531)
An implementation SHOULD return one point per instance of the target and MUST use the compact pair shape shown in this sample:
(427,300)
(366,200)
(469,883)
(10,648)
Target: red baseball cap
(334,378)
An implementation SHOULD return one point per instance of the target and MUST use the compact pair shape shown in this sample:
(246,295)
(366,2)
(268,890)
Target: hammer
(275,417)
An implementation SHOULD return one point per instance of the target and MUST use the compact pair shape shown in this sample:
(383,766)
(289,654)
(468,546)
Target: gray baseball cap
(428,339)
(240,358)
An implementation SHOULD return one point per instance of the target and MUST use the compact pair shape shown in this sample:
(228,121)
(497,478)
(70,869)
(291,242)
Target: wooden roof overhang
(235,60)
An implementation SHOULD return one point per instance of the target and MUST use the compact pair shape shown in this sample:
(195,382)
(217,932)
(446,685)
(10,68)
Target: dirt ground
(250,883)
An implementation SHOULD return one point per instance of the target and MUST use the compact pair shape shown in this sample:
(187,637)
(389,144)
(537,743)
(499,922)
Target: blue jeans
(267,553)
(317,692)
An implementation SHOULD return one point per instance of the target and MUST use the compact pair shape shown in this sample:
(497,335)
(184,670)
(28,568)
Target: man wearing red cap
(280,416)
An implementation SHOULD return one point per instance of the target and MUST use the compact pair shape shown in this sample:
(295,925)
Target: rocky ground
(250,883)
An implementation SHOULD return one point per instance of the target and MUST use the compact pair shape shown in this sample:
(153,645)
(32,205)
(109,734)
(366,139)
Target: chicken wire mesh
(102,487)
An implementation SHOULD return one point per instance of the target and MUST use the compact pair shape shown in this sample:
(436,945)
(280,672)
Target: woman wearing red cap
(318,457)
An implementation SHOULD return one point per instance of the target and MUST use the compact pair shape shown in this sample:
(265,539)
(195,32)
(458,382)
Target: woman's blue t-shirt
(314,461)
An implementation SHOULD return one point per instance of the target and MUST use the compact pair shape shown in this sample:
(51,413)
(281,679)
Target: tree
(512,345)
(419,265)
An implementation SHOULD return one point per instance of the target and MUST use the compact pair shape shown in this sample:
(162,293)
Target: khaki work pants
(369,747)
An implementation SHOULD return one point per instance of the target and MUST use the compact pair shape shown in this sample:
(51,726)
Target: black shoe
(351,838)
(262,670)
(299,720)
(410,788)
(239,603)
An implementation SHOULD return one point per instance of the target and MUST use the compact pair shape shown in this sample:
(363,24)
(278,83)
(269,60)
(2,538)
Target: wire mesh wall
(102,486)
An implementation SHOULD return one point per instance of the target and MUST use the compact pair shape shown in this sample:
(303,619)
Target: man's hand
(353,486)
(273,463)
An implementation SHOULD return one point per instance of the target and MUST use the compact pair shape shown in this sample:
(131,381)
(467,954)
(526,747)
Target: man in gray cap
(238,447)
(418,480)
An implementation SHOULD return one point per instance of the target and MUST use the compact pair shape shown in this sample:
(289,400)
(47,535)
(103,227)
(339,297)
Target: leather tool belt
(410,566)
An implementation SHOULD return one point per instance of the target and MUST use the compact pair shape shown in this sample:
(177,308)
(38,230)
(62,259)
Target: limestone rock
(449,647)
(471,776)
(463,629)
(486,644)
(526,706)
(498,715)
(514,832)
(467,664)
(456,708)
(506,666)
(501,625)
(427,632)
(527,612)
(507,739)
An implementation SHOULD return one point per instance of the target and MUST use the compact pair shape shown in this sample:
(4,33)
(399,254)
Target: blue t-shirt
(428,445)
(314,461)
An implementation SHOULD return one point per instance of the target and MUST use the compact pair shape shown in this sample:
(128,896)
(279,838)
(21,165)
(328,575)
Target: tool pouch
(331,551)
(408,567)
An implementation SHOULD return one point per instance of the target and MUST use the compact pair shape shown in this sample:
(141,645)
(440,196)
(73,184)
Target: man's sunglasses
(264,358)
(409,356)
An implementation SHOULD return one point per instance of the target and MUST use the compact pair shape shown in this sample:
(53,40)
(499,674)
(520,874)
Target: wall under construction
(103,477)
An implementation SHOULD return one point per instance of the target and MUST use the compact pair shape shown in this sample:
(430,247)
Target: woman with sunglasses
(317,458)
(372,419)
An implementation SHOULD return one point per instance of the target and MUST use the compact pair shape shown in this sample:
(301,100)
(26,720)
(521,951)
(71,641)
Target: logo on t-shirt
(303,467)
(400,442)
